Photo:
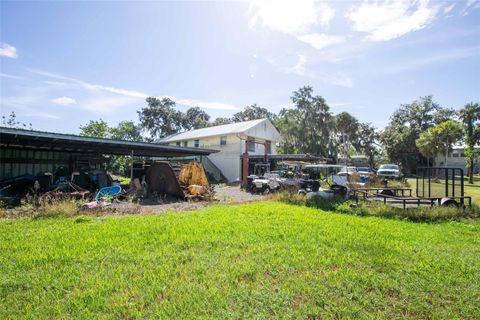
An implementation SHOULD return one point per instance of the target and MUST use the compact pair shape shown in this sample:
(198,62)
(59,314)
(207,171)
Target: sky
(65,63)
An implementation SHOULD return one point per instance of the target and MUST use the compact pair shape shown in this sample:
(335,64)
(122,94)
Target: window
(455,155)
(178,143)
(196,143)
(185,143)
(251,145)
(223,140)
(268,146)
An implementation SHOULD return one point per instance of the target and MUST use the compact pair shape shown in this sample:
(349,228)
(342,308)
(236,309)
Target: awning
(49,141)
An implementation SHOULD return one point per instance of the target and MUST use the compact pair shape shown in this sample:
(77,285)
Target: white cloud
(91,86)
(299,67)
(340,104)
(391,19)
(9,76)
(64,101)
(456,54)
(449,8)
(336,78)
(8,51)
(104,99)
(320,41)
(206,104)
(469,6)
(292,17)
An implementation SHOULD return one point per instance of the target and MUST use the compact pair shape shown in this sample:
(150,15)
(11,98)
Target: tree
(308,127)
(95,128)
(428,144)
(439,139)
(195,118)
(160,118)
(220,121)
(253,112)
(126,130)
(469,115)
(12,122)
(288,124)
(406,124)
(346,127)
(368,142)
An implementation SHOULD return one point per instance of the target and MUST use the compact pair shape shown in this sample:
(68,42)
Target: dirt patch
(223,194)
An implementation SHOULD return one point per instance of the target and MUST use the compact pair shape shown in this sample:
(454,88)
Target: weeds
(66,208)
(378,209)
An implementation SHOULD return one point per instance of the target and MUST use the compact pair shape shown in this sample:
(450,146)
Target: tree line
(416,133)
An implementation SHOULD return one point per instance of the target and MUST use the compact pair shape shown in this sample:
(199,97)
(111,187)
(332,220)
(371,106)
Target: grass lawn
(262,260)
(438,188)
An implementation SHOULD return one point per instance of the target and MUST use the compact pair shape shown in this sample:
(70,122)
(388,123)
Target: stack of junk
(158,180)
(62,184)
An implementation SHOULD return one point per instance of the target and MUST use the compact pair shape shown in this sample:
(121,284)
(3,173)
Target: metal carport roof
(49,141)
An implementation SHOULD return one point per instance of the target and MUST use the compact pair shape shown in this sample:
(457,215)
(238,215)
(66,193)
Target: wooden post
(245,164)
(131,167)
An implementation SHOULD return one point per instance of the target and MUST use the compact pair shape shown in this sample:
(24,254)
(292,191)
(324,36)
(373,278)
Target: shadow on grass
(378,209)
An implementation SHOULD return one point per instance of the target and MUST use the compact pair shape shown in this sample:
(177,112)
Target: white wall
(455,159)
(228,159)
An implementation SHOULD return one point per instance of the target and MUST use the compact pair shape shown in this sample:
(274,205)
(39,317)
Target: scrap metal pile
(158,181)
(61,185)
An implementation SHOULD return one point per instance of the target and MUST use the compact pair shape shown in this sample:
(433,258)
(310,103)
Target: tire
(266,190)
(448,202)
(387,193)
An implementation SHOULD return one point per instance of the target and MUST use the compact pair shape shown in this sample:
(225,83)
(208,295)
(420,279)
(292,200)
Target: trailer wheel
(387,193)
(448,202)
(302,192)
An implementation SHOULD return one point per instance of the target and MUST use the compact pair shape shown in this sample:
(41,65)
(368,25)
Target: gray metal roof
(28,139)
(232,128)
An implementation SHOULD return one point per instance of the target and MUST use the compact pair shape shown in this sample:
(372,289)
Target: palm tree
(469,115)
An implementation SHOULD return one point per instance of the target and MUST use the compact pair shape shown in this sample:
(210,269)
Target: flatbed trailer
(452,192)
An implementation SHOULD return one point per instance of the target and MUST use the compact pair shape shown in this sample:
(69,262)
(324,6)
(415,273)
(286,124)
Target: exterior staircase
(212,170)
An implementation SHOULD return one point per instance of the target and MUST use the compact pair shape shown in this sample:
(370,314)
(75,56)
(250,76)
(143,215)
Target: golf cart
(328,174)
(263,181)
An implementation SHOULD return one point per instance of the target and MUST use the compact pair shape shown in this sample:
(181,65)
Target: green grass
(262,260)
(438,188)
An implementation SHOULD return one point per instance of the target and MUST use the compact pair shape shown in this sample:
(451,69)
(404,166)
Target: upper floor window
(196,143)
(251,145)
(223,140)
(268,146)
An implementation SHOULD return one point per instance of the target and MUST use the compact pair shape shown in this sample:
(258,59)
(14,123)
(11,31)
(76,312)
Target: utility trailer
(433,186)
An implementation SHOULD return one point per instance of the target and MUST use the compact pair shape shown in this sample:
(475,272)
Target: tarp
(193,174)
(161,180)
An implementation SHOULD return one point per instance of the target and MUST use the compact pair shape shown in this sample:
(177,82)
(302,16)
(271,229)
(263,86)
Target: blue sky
(64,63)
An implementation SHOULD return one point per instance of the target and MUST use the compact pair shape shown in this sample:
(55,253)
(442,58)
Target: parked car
(365,171)
(389,171)
(345,171)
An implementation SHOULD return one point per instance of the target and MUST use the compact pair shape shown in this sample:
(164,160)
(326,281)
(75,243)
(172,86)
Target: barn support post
(131,165)
(245,164)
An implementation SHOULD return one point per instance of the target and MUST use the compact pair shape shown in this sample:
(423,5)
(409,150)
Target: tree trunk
(470,171)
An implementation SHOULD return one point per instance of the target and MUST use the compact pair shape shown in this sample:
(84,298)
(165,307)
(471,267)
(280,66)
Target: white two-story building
(230,140)
(456,159)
